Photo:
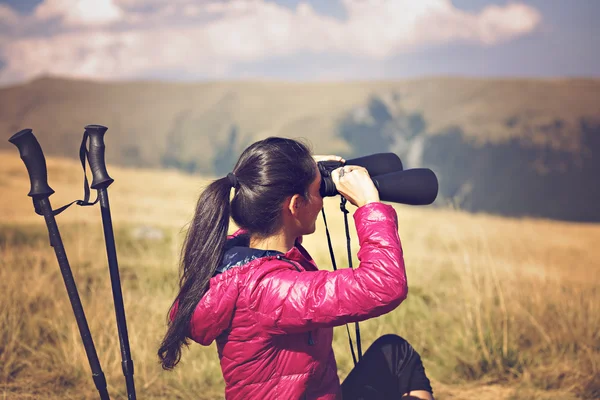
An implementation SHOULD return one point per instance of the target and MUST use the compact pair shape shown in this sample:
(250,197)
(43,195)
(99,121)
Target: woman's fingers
(351,168)
(354,183)
(339,173)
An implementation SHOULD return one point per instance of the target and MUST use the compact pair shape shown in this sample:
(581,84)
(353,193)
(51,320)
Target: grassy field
(499,308)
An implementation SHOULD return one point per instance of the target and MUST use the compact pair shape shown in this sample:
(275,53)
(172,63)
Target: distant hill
(496,144)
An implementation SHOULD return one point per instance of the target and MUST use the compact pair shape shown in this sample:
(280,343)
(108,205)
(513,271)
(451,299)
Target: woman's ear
(295,204)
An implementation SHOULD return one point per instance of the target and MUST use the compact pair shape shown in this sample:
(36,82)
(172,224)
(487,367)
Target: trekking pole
(101,181)
(33,157)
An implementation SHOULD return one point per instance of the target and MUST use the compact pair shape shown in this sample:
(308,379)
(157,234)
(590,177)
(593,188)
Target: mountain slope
(507,146)
(146,120)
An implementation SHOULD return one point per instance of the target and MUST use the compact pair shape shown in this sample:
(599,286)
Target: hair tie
(233,180)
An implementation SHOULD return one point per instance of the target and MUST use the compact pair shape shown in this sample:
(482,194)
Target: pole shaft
(65,269)
(115,280)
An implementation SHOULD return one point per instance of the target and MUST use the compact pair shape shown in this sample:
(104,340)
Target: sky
(297,40)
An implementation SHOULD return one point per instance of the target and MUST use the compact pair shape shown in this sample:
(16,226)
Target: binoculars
(418,186)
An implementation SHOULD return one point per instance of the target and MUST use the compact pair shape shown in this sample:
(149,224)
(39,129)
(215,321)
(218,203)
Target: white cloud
(112,39)
(80,12)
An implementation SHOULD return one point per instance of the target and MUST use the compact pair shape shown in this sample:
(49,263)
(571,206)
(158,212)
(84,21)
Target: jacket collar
(238,253)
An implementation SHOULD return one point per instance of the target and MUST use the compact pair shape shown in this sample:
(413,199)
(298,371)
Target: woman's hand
(328,158)
(355,184)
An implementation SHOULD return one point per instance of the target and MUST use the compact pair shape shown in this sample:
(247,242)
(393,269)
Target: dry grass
(499,308)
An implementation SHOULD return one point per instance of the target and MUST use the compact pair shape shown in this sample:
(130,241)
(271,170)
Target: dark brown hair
(268,171)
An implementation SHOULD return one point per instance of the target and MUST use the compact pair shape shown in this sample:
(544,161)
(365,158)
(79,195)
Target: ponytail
(200,256)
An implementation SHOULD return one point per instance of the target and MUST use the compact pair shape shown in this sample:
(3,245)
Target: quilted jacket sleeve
(288,301)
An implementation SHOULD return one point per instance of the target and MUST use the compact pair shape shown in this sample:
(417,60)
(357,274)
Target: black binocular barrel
(101,180)
(416,186)
(32,155)
(378,164)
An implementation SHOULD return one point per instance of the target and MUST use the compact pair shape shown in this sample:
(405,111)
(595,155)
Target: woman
(259,294)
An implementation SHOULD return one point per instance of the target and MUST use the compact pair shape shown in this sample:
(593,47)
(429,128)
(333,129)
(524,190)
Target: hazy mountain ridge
(538,174)
(511,146)
(143,117)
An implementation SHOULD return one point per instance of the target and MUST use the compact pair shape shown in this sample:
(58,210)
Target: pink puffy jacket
(272,314)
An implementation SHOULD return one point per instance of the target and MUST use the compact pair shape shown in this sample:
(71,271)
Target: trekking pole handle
(33,157)
(101,179)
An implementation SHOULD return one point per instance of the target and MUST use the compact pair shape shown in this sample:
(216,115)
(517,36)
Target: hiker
(261,296)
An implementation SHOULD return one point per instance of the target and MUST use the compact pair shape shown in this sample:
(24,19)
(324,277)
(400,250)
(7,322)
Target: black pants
(389,368)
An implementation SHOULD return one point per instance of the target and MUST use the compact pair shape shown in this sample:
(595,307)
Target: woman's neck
(282,242)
